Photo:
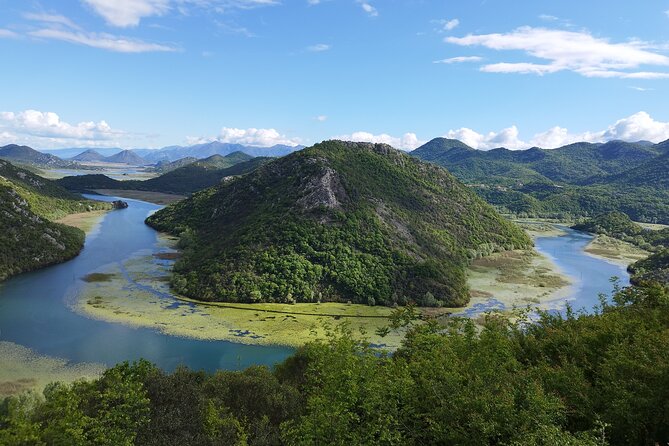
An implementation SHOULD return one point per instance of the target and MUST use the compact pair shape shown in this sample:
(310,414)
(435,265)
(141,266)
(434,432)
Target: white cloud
(7,138)
(637,127)
(447,25)
(459,59)
(368,8)
(103,41)
(408,141)
(5,33)
(232,28)
(579,52)
(54,19)
(125,13)
(46,128)
(58,27)
(319,48)
(250,137)
(451,24)
(505,138)
(641,88)
(129,13)
(49,124)
(548,17)
(321,118)
(314,2)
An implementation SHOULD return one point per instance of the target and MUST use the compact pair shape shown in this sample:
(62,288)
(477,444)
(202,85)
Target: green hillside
(653,269)
(168,166)
(651,174)
(620,226)
(29,239)
(571,164)
(45,197)
(338,221)
(577,180)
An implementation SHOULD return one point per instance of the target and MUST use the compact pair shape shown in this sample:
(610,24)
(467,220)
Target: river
(34,313)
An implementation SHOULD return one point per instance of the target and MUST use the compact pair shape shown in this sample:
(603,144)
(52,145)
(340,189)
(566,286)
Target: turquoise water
(33,311)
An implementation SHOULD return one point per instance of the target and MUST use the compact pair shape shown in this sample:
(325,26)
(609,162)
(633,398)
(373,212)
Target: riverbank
(540,228)
(148,196)
(615,251)
(514,279)
(136,293)
(23,369)
(86,221)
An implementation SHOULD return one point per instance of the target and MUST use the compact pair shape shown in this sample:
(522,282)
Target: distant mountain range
(173,153)
(127,157)
(578,180)
(168,154)
(581,179)
(577,163)
(72,152)
(26,155)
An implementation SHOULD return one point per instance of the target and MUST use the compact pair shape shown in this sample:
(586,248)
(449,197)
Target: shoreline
(159,198)
(89,222)
(614,251)
(514,280)
(24,369)
(136,293)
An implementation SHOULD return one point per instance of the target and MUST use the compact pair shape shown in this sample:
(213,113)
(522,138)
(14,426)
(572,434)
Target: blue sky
(150,73)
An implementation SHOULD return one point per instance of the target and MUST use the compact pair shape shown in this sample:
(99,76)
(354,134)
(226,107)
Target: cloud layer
(560,50)
(46,128)
(408,141)
(58,27)
(129,13)
(250,137)
(125,13)
(637,127)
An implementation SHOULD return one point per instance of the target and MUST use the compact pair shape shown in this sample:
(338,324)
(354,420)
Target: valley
(134,292)
(123,293)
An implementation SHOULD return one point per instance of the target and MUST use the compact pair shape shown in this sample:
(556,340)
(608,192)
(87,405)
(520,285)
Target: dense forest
(577,380)
(620,226)
(27,204)
(573,181)
(655,268)
(337,221)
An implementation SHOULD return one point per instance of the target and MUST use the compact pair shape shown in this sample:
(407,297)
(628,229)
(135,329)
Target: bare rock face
(323,190)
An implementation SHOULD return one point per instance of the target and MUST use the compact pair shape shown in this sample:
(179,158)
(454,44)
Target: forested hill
(651,174)
(28,239)
(337,221)
(577,180)
(571,164)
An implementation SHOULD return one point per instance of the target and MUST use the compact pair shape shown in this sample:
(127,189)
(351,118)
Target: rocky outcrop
(119,204)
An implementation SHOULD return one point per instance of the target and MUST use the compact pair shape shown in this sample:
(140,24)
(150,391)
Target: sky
(153,73)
